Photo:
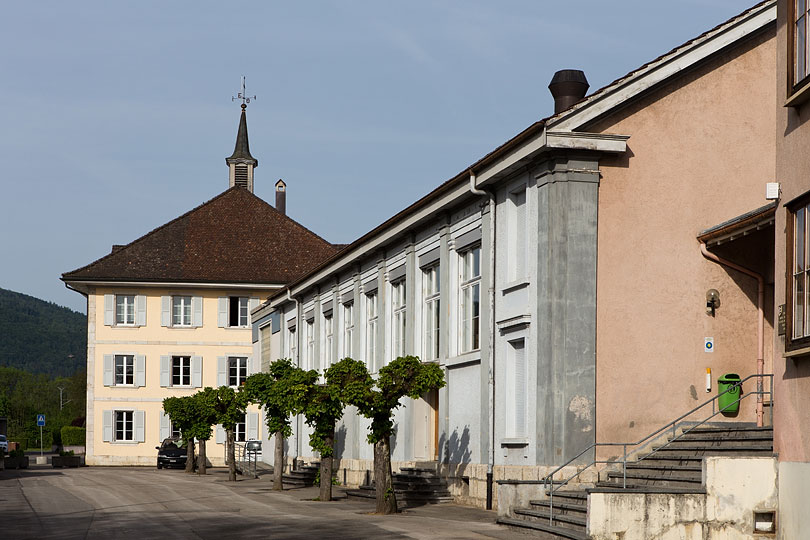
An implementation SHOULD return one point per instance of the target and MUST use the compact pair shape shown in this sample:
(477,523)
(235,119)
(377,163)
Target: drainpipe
(760,321)
(491,347)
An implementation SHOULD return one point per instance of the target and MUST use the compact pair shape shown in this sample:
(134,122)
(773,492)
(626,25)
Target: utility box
(729,401)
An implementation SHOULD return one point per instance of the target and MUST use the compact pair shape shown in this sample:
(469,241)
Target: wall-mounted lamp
(712,301)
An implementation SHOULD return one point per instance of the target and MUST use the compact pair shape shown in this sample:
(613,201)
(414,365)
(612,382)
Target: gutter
(760,321)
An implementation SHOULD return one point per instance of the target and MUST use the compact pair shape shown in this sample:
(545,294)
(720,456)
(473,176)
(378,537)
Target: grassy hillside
(38,336)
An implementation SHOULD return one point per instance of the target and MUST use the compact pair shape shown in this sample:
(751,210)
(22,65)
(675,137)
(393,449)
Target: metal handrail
(246,460)
(548,480)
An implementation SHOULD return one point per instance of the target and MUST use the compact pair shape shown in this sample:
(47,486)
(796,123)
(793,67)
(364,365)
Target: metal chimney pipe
(281,196)
(568,86)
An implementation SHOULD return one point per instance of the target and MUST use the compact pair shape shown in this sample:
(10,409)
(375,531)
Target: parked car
(3,445)
(171,453)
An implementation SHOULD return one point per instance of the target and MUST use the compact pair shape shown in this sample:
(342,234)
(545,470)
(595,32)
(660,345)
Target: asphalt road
(118,502)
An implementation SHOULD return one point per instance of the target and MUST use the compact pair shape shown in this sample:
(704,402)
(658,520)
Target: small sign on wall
(708,344)
(781,324)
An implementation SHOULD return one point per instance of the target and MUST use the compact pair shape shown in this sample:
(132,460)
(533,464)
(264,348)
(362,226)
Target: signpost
(41,424)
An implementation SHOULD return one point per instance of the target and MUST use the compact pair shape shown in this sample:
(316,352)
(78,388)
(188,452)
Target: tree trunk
(278,462)
(231,456)
(190,456)
(326,470)
(201,459)
(383,479)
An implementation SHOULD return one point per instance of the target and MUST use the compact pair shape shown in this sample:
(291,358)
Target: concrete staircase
(675,467)
(301,475)
(414,486)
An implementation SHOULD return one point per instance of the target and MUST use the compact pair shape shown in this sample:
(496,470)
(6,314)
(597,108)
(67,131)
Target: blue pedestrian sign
(40,420)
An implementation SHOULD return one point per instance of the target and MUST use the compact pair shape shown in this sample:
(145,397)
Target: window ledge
(515,441)
(799,97)
(125,443)
(514,322)
(515,285)
(466,358)
(797,353)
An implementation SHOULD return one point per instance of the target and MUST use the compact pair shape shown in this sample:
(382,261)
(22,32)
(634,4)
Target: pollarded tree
(230,405)
(282,392)
(377,400)
(181,411)
(204,416)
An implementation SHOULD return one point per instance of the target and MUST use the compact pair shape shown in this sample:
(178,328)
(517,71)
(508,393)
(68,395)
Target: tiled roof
(235,237)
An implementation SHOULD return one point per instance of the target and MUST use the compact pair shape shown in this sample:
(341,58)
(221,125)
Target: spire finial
(243,95)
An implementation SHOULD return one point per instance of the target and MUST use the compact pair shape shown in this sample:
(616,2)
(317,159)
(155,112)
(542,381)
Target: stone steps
(413,486)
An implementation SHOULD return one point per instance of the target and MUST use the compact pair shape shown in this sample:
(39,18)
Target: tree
(204,414)
(377,400)
(229,406)
(183,414)
(282,392)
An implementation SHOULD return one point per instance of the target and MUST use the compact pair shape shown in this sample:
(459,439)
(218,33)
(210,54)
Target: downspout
(297,363)
(491,346)
(760,321)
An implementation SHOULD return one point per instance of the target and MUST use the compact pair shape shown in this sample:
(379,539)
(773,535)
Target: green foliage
(335,481)
(16,453)
(39,336)
(193,415)
(23,395)
(377,400)
(62,453)
(73,436)
(229,406)
(322,408)
(280,392)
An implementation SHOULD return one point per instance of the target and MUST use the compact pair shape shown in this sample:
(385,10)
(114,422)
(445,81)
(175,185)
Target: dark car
(171,453)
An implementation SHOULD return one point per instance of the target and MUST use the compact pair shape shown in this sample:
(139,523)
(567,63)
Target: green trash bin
(729,402)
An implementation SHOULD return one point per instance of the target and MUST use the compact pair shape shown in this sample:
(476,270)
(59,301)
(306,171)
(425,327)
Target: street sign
(40,420)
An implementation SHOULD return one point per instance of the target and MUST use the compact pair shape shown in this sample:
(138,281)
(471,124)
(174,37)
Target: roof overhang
(619,93)
(82,285)
(740,226)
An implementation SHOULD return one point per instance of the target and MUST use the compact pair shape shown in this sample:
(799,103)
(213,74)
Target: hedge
(73,436)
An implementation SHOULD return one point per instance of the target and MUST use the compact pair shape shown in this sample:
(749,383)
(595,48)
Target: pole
(40,440)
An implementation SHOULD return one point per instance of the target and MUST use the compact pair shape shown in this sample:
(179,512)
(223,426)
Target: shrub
(66,454)
(73,436)
(16,453)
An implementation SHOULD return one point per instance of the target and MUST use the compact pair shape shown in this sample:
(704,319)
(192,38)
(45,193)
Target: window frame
(241,373)
(431,311)
(328,339)
(399,317)
(242,311)
(372,301)
(124,357)
(348,329)
(802,204)
(126,312)
(310,343)
(185,302)
(123,420)
(180,358)
(469,283)
(243,431)
(793,82)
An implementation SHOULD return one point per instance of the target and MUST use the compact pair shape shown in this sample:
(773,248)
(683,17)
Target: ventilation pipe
(568,86)
(281,196)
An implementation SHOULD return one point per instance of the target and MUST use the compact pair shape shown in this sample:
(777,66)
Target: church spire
(241,163)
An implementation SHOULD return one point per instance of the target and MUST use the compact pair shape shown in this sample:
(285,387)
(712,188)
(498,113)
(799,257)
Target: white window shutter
(252,426)
(140,370)
(196,310)
(140,310)
(222,312)
(165,426)
(196,371)
(164,371)
(165,311)
(220,434)
(139,421)
(106,426)
(109,309)
(222,371)
(108,370)
(253,303)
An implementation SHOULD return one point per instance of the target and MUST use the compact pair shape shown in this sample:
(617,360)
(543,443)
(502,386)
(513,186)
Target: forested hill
(38,336)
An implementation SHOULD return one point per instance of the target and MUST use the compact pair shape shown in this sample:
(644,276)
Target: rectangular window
(238,311)
(310,345)
(348,329)
(124,309)
(328,339)
(470,293)
(431,320)
(181,311)
(237,370)
(516,237)
(239,431)
(516,389)
(124,369)
(174,430)
(292,343)
(801,58)
(181,371)
(799,265)
(399,310)
(371,329)
(124,426)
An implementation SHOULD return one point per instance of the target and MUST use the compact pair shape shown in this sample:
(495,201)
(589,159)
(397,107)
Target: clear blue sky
(116,117)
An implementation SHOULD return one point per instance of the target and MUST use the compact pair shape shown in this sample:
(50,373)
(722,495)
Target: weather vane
(243,95)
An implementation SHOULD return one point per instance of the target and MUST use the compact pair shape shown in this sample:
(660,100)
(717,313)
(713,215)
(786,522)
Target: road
(124,502)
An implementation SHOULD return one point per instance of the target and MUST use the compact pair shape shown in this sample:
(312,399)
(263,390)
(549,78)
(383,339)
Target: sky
(117,117)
